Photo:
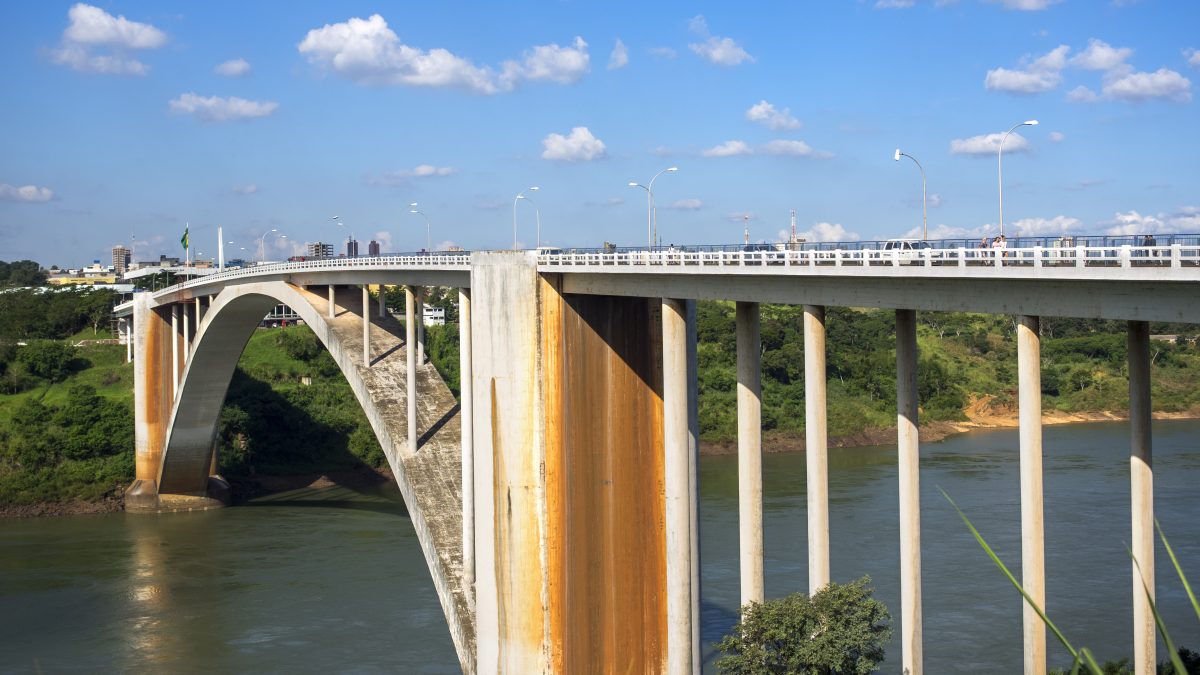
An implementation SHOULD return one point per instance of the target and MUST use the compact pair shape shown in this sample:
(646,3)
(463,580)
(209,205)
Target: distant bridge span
(557,513)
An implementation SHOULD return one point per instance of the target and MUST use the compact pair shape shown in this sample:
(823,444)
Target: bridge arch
(429,481)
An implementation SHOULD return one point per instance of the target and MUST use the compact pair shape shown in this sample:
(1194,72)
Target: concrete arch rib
(429,477)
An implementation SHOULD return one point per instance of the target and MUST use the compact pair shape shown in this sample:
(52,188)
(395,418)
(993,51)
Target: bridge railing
(1119,256)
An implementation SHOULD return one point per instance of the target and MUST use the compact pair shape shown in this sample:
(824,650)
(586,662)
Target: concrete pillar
(1141,484)
(128,323)
(910,492)
(199,312)
(332,310)
(174,350)
(187,334)
(466,408)
(382,304)
(749,401)
(366,322)
(421,325)
(816,448)
(677,488)
(693,404)
(1033,559)
(152,340)
(410,338)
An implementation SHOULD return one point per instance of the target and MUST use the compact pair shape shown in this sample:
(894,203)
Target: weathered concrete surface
(152,399)
(429,476)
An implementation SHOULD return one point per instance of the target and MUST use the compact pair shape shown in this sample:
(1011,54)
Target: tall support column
(174,350)
(420,325)
(1033,562)
(1141,484)
(199,312)
(816,448)
(382,304)
(128,323)
(466,408)
(910,492)
(332,310)
(749,401)
(366,322)
(693,404)
(410,339)
(187,334)
(677,488)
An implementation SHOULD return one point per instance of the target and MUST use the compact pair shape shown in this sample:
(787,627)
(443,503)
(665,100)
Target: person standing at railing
(998,246)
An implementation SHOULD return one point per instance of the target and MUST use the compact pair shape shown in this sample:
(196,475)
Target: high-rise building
(320,250)
(373,248)
(351,247)
(121,258)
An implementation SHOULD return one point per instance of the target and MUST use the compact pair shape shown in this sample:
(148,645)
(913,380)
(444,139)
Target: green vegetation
(841,629)
(21,273)
(289,410)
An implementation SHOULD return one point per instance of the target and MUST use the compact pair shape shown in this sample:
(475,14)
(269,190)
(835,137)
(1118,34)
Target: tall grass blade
(1178,569)
(1086,655)
(1162,627)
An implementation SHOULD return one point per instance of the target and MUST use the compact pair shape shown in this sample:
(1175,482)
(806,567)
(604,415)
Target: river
(333,580)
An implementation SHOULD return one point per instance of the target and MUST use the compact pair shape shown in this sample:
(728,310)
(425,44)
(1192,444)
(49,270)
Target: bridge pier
(466,410)
(1033,564)
(410,338)
(749,399)
(421,325)
(1141,488)
(816,448)
(332,303)
(910,492)
(366,326)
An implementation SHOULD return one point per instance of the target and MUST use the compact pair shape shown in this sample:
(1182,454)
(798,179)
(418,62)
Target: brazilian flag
(184,239)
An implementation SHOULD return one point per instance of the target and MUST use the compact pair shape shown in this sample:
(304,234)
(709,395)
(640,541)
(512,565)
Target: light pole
(1000,168)
(538,214)
(428,246)
(924,209)
(262,251)
(651,216)
(520,195)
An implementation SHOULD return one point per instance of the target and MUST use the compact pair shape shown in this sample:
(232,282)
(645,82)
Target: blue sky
(124,120)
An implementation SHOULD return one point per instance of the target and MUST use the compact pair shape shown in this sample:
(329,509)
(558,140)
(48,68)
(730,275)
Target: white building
(434,316)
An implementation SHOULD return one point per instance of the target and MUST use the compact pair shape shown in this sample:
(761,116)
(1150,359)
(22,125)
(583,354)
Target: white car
(907,252)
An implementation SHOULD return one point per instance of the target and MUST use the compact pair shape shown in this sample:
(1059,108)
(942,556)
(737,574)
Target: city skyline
(134,119)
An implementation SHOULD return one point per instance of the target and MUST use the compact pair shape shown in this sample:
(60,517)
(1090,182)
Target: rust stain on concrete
(158,397)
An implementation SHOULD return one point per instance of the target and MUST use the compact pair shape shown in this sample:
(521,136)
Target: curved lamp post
(538,214)
(521,195)
(651,215)
(428,245)
(924,210)
(262,251)
(1000,169)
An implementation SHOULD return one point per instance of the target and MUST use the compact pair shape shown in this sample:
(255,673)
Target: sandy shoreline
(981,414)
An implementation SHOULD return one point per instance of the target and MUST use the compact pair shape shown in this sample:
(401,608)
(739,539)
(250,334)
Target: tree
(839,630)
(26,273)
(47,358)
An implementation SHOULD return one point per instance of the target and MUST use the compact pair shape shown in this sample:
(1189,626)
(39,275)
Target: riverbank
(982,414)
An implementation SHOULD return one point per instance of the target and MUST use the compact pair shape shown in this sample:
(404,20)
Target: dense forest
(66,420)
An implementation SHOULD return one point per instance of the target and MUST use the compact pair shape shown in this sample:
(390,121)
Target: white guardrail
(1175,255)
(1117,257)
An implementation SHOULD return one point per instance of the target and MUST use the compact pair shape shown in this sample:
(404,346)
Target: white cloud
(247,189)
(764,113)
(1161,84)
(1193,57)
(366,51)
(90,28)
(728,149)
(1099,55)
(1185,219)
(1045,227)
(1082,94)
(1042,74)
(25,193)
(233,68)
(619,58)
(385,240)
(579,146)
(662,52)
(1056,136)
(397,178)
(893,4)
(935,200)
(685,205)
(721,51)
(1027,5)
(718,50)
(988,144)
(217,109)
(828,232)
(787,148)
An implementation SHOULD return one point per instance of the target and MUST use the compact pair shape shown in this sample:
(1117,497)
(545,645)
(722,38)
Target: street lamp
(538,214)
(651,215)
(428,247)
(521,195)
(924,210)
(262,251)
(1000,169)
